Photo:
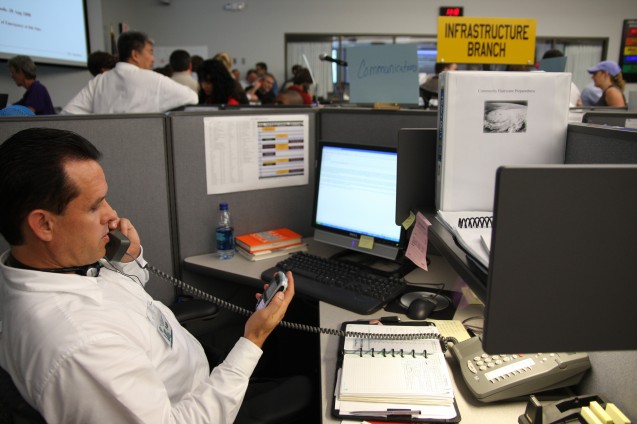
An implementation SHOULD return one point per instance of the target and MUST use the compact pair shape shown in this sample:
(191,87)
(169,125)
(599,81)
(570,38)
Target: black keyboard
(344,285)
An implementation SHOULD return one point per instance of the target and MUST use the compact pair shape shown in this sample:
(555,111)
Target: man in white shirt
(80,337)
(132,86)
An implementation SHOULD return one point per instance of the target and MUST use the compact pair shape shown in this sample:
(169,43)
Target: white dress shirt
(130,89)
(84,350)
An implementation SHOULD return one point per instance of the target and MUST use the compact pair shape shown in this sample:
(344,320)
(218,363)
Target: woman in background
(218,86)
(302,82)
(37,97)
(607,75)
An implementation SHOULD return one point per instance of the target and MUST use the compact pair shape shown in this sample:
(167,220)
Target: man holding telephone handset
(80,337)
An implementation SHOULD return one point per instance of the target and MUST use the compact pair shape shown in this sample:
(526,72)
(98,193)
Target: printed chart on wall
(256,152)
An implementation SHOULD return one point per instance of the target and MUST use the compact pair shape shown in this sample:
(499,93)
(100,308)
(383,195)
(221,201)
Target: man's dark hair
(224,85)
(32,175)
(180,60)
(97,61)
(262,65)
(552,53)
(129,41)
(440,66)
(303,76)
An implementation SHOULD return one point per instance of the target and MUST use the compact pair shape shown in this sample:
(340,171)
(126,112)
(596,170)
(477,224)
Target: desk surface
(246,272)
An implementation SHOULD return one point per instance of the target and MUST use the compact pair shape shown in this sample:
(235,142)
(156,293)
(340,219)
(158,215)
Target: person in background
(196,61)
(302,83)
(218,86)
(226,59)
(288,82)
(36,98)
(132,86)
(607,75)
(262,70)
(289,98)
(82,339)
(100,62)
(182,69)
(262,90)
(429,90)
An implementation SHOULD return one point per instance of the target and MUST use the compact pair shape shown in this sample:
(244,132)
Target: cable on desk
(187,288)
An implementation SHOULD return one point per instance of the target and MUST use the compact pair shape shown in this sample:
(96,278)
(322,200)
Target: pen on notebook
(387,413)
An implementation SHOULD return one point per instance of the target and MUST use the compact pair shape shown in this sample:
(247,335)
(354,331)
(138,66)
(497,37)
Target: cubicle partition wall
(370,126)
(196,211)
(134,160)
(591,144)
(615,118)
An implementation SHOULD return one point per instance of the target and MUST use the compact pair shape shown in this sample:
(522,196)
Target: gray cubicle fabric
(256,210)
(371,127)
(134,160)
(588,144)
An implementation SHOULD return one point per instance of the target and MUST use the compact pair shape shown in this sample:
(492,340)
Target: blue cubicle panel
(134,160)
(196,211)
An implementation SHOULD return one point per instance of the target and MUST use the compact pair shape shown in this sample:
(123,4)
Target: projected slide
(47,31)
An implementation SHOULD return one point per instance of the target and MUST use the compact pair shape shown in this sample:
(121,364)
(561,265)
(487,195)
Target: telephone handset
(497,377)
(117,246)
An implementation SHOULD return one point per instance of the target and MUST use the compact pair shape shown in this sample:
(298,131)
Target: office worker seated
(36,98)
(607,75)
(132,86)
(91,348)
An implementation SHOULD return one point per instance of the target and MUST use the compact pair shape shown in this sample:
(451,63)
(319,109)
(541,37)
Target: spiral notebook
(472,232)
(405,378)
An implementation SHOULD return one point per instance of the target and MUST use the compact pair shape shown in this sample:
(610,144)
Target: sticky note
(617,415)
(417,247)
(366,242)
(589,416)
(600,413)
(408,222)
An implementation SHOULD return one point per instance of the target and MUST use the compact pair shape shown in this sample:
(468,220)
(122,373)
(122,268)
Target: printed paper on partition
(256,152)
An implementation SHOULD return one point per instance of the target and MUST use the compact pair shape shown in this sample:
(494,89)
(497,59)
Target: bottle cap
(223,206)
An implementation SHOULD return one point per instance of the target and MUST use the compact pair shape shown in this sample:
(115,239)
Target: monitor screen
(49,32)
(355,201)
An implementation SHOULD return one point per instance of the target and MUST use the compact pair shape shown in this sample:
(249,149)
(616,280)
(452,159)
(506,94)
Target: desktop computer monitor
(562,261)
(355,199)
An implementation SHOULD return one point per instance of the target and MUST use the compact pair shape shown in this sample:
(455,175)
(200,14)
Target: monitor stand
(400,266)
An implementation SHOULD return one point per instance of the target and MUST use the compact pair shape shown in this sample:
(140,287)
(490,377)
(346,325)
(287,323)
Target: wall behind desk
(257,210)
(134,161)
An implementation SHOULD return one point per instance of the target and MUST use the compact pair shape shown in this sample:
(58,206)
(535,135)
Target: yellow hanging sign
(508,41)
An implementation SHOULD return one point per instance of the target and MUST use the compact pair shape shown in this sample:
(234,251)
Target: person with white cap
(607,75)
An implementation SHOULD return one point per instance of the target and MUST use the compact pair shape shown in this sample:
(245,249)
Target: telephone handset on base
(117,246)
(497,377)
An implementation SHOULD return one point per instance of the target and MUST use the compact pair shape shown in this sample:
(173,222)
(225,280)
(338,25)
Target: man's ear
(40,223)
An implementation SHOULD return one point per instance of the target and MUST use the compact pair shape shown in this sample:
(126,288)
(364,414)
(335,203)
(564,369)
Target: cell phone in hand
(279,283)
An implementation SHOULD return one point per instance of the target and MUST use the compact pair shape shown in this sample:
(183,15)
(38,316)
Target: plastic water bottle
(224,233)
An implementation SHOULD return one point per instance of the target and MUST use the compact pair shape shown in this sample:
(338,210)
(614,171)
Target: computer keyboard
(341,284)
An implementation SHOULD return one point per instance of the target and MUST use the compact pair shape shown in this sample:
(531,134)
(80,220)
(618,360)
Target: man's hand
(263,322)
(126,227)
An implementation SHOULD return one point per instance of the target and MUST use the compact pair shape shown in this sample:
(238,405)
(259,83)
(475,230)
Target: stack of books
(269,244)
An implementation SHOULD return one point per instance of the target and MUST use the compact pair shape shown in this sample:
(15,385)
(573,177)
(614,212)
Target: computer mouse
(419,309)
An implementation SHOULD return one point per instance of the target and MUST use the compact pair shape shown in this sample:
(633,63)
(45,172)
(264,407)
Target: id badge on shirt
(157,318)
